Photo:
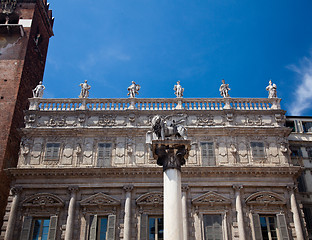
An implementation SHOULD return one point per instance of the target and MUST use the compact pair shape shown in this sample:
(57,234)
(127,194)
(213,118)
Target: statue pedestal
(171,155)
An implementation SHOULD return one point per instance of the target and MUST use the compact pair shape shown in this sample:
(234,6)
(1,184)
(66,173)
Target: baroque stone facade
(85,165)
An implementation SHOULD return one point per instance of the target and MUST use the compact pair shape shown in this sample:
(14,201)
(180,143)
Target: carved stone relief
(36,152)
(205,120)
(140,153)
(273,153)
(107,120)
(88,151)
(68,153)
(222,152)
(193,154)
(242,152)
(253,120)
(120,151)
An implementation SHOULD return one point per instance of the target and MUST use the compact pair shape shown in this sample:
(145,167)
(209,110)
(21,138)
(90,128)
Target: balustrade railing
(153,104)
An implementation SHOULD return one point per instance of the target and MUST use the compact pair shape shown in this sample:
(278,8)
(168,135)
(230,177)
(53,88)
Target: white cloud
(303,91)
(104,56)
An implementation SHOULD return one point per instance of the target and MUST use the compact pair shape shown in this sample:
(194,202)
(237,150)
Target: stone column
(170,154)
(239,211)
(127,219)
(71,213)
(184,212)
(16,192)
(295,211)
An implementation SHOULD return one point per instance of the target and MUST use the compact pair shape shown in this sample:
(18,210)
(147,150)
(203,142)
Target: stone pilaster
(127,219)
(295,211)
(16,192)
(239,210)
(71,212)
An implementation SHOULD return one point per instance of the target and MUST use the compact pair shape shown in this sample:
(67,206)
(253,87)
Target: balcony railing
(148,104)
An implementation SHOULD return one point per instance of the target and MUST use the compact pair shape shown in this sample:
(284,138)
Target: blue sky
(199,42)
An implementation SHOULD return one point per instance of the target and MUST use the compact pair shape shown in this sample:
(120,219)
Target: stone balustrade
(105,104)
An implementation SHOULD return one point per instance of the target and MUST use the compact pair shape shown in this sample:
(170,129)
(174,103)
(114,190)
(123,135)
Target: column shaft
(127,220)
(240,215)
(172,205)
(184,216)
(295,211)
(13,213)
(71,215)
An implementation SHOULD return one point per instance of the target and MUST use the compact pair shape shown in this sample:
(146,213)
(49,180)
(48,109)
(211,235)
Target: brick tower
(25,30)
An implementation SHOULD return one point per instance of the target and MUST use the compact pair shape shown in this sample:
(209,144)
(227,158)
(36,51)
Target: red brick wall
(21,68)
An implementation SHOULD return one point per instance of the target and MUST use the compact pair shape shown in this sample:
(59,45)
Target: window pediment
(265,198)
(43,200)
(152,198)
(211,198)
(99,199)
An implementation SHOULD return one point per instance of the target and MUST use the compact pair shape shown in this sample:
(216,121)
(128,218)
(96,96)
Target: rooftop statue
(133,89)
(178,90)
(38,91)
(85,87)
(272,90)
(162,128)
(224,89)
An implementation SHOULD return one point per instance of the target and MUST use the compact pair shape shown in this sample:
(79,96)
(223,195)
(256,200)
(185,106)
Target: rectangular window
(268,227)
(213,227)
(40,229)
(156,228)
(104,154)
(52,151)
(257,149)
(207,154)
(307,126)
(102,227)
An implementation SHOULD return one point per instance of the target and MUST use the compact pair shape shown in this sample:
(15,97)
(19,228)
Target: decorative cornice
(223,171)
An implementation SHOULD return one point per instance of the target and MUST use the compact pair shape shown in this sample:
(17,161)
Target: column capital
(171,154)
(73,189)
(185,187)
(292,187)
(128,188)
(16,190)
(238,187)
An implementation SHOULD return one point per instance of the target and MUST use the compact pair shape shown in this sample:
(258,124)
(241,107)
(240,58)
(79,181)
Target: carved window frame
(222,206)
(148,205)
(258,208)
(100,208)
(39,206)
